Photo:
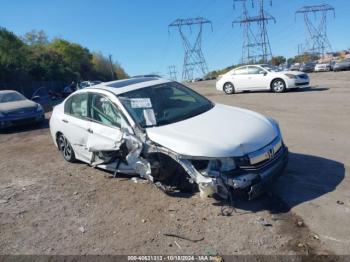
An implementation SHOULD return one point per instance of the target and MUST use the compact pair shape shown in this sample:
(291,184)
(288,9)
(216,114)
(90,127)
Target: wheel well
(57,135)
(228,82)
(278,78)
(170,172)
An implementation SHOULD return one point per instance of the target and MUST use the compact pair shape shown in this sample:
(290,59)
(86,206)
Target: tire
(229,89)
(65,148)
(278,86)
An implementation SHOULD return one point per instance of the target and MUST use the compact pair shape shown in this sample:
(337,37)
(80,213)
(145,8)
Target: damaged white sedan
(170,135)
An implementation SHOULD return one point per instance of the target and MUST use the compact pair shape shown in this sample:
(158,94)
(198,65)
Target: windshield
(11,97)
(164,104)
(270,68)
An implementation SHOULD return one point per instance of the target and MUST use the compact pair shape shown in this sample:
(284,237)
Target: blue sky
(135,31)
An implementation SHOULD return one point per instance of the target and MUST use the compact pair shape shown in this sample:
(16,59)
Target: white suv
(261,77)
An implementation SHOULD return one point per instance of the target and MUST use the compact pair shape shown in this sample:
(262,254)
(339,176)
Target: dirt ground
(48,206)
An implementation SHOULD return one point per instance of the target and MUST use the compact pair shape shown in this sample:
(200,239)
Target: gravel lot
(48,206)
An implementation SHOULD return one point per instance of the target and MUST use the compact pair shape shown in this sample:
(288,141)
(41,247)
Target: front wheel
(278,86)
(229,88)
(66,149)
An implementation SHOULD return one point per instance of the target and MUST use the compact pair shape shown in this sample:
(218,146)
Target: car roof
(131,84)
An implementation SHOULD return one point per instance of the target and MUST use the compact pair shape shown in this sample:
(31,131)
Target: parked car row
(310,67)
(17,110)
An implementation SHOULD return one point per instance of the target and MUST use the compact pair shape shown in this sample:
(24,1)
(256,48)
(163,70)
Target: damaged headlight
(213,168)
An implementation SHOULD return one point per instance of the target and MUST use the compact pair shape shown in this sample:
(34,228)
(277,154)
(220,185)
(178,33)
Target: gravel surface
(48,206)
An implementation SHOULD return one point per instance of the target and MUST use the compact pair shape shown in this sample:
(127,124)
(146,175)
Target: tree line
(33,57)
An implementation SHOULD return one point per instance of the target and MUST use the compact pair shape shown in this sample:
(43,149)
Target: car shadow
(310,89)
(306,178)
(294,90)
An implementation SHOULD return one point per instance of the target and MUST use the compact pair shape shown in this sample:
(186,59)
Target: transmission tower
(256,44)
(172,72)
(317,42)
(194,61)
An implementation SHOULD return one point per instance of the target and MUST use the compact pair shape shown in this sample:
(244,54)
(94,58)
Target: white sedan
(261,77)
(169,134)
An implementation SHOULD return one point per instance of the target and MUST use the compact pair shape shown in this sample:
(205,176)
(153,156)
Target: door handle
(65,121)
(90,131)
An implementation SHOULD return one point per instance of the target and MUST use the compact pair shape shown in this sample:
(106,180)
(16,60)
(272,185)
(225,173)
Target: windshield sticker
(141,103)
(150,117)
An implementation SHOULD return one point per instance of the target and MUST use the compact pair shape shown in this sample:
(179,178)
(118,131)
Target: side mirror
(265,74)
(36,98)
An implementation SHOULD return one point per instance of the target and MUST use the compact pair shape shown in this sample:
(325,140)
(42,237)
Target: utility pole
(112,69)
(194,61)
(256,46)
(172,72)
(316,42)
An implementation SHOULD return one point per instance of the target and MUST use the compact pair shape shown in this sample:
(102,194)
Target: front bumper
(254,181)
(21,120)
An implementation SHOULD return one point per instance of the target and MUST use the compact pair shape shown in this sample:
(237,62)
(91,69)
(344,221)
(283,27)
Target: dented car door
(105,126)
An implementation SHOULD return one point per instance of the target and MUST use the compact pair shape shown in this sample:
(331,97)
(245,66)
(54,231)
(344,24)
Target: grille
(302,84)
(266,163)
(23,121)
(21,112)
(303,76)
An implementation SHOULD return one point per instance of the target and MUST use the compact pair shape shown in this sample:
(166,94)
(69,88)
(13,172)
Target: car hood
(223,131)
(17,105)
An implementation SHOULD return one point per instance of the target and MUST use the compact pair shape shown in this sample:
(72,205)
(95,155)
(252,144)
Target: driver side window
(103,111)
(241,71)
(255,70)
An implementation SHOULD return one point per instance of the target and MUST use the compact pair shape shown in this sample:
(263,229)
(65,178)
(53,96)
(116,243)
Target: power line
(256,44)
(172,72)
(194,61)
(317,41)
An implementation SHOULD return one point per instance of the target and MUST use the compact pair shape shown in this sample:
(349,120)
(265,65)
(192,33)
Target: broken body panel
(219,150)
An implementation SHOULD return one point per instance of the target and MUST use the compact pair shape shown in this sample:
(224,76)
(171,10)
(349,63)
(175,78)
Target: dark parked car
(86,84)
(42,96)
(341,65)
(16,110)
(307,67)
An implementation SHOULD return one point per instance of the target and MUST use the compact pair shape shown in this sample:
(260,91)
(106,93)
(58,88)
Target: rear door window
(77,106)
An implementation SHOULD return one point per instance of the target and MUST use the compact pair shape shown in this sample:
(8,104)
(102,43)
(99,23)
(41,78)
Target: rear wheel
(66,149)
(278,86)
(229,89)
